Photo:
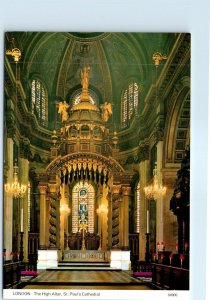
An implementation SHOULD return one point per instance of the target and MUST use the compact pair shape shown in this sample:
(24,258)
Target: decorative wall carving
(143,153)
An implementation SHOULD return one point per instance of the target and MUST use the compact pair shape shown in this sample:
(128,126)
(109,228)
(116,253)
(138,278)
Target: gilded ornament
(42,189)
(85,77)
(15,53)
(157,57)
(62,109)
(106,111)
(126,190)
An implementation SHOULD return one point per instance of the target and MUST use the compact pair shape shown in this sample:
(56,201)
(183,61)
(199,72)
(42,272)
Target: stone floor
(85,279)
(87,287)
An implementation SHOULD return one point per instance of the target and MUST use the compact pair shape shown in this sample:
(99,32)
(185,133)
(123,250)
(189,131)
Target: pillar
(121,222)
(64,213)
(8,202)
(159,199)
(116,195)
(104,223)
(53,220)
(47,221)
(23,176)
(62,202)
(126,190)
(42,237)
(109,200)
(170,224)
(143,170)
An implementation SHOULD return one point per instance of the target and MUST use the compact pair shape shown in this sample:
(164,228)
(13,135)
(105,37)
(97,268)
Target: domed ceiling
(115,60)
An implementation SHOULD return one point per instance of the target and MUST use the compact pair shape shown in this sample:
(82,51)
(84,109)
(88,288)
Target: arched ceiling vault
(115,59)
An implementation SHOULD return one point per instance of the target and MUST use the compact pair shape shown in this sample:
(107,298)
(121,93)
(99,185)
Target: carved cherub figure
(62,109)
(106,111)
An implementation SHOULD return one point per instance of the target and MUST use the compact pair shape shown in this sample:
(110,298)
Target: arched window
(39,101)
(83,206)
(129,103)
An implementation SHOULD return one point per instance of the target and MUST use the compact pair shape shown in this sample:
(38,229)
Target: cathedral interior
(97,154)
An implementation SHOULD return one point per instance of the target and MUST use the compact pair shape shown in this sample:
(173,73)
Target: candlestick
(21,247)
(21,220)
(147,221)
(147,253)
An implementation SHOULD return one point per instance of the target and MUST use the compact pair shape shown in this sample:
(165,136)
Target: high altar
(85,192)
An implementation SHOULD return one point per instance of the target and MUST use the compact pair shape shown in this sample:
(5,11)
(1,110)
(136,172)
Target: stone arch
(176,126)
(60,163)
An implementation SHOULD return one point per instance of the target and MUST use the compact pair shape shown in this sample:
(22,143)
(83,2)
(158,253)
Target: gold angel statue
(85,77)
(106,111)
(62,109)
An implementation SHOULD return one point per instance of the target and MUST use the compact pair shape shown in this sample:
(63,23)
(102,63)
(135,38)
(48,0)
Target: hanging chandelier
(15,189)
(155,189)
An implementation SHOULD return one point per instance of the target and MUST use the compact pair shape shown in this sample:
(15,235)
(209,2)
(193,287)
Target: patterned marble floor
(85,279)
(81,276)
(88,287)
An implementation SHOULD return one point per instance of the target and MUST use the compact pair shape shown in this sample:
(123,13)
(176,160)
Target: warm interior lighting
(15,189)
(65,209)
(102,209)
(155,189)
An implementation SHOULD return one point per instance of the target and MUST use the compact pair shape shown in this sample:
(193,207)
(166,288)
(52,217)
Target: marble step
(82,268)
(83,264)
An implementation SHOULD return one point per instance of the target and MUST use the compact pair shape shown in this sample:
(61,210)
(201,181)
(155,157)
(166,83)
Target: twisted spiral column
(115,215)
(52,218)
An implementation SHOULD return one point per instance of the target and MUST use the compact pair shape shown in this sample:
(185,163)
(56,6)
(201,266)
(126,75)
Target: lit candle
(21,220)
(147,221)
(181,259)
(154,256)
(170,258)
(176,247)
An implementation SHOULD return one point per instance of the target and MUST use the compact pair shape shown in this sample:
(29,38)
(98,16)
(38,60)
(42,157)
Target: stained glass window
(39,101)
(129,103)
(83,206)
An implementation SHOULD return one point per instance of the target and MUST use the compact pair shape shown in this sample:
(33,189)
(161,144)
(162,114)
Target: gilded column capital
(52,187)
(42,189)
(126,190)
(116,189)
